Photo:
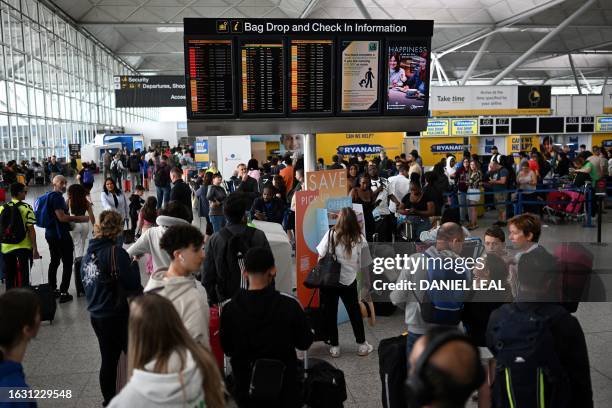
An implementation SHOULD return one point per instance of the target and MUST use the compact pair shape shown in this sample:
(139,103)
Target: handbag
(326,274)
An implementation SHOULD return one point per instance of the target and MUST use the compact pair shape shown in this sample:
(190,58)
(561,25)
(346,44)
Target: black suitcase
(324,385)
(48,304)
(393,363)
(46,294)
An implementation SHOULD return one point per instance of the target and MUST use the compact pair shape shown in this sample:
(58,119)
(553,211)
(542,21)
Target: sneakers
(65,297)
(365,348)
(334,351)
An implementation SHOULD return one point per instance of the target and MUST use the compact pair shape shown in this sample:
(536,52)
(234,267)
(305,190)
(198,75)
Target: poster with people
(407,77)
(292,144)
(359,76)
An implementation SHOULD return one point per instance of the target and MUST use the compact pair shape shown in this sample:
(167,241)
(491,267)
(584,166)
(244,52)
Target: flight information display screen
(310,74)
(209,77)
(296,68)
(262,77)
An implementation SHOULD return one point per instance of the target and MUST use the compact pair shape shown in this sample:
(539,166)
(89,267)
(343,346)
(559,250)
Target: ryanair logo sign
(360,148)
(446,148)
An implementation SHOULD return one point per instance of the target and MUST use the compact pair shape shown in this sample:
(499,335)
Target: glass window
(16,34)
(30,8)
(3,101)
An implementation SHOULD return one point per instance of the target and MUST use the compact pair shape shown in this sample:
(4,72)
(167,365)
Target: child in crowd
(136,203)
(147,218)
(20,317)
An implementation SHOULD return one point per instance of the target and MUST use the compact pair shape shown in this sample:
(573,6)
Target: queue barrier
(520,201)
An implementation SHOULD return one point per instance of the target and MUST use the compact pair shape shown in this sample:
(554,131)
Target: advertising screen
(209,77)
(407,77)
(262,77)
(311,76)
(359,73)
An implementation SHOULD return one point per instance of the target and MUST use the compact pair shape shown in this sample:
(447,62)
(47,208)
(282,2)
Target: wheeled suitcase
(127,186)
(324,385)
(392,366)
(214,325)
(46,295)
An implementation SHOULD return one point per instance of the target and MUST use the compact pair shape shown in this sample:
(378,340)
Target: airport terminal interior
(204,203)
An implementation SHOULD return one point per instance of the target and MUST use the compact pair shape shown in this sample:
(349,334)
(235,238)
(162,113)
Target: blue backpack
(42,211)
(443,305)
(88,177)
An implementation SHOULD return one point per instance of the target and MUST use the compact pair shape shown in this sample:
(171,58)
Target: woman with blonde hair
(166,367)
(109,277)
(350,247)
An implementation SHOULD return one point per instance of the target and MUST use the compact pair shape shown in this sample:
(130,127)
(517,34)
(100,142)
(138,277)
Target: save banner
(490,100)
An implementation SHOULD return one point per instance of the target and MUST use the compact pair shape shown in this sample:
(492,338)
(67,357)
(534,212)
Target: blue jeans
(163,195)
(410,340)
(217,221)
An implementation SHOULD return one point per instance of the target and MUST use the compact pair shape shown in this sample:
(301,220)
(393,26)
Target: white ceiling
(140,31)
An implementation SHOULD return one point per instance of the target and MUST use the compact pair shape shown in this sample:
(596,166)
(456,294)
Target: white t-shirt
(350,264)
(399,186)
(383,196)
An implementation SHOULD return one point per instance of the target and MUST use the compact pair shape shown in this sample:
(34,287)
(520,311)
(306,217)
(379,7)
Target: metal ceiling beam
(571,61)
(473,37)
(543,41)
(311,5)
(518,27)
(148,54)
(476,60)
(364,11)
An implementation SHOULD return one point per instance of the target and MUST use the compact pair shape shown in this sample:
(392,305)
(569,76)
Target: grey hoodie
(189,299)
(178,389)
(148,243)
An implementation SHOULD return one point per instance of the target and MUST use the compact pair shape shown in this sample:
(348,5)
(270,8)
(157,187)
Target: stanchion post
(589,216)
(518,207)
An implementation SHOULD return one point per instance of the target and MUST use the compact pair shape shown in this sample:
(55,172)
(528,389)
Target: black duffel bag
(326,274)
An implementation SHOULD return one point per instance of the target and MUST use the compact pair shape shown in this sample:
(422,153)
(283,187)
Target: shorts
(500,198)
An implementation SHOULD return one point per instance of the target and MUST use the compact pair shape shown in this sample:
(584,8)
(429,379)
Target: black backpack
(134,164)
(12,226)
(529,372)
(162,177)
(236,249)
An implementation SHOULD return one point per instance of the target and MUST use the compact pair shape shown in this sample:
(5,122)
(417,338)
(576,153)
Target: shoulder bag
(326,274)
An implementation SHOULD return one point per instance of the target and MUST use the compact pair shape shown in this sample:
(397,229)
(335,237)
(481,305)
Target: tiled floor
(65,355)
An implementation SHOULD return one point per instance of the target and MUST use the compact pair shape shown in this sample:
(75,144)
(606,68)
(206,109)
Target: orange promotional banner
(305,254)
(316,209)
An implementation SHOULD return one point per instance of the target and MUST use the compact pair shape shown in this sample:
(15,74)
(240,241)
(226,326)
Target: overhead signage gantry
(270,76)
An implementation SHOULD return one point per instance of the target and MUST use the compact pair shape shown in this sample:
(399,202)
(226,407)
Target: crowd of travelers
(196,313)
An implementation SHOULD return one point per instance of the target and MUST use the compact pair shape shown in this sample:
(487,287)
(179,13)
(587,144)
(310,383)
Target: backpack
(236,249)
(115,169)
(441,306)
(529,371)
(134,164)
(12,225)
(88,177)
(162,178)
(42,211)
